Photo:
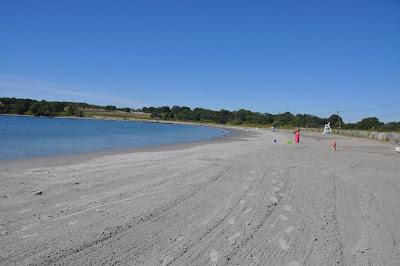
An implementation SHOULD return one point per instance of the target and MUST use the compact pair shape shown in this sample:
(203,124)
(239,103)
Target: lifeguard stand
(327,129)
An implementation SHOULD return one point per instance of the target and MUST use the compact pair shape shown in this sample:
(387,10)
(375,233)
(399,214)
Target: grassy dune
(375,135)
(381,136)
(96,113)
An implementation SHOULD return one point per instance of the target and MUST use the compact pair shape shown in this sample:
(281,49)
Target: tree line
(246,117)
(201,115)
(48,108)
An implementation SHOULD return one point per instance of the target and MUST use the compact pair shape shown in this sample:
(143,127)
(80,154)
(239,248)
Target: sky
(315,57)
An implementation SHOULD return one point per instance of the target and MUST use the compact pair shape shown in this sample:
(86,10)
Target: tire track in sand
(115,232)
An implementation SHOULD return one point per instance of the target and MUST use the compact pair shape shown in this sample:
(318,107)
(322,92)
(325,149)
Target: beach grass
(96,113)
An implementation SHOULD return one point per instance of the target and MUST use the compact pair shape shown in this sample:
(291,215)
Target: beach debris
(397,149)
(38,192)
(5,196)
(3,233)
(334,145)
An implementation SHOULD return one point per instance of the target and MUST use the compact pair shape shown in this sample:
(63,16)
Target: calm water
(26,137)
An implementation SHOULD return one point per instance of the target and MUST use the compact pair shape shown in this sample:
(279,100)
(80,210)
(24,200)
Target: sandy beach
(241,201)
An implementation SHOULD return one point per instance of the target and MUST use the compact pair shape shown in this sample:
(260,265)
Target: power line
(390,115)
(372,108)
(356,110)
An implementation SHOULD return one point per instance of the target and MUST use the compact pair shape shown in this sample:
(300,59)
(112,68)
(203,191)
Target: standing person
(297,136)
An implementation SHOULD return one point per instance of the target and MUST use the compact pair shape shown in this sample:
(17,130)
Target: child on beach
(297,136)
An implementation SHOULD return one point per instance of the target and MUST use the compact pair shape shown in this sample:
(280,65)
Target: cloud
(11,82)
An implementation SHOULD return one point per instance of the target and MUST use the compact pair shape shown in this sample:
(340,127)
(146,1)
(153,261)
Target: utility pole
(338,113)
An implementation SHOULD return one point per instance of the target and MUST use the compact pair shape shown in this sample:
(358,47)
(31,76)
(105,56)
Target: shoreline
(234,134)
(136,120)
(381,136)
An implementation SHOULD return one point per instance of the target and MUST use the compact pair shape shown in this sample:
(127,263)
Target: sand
(246,201)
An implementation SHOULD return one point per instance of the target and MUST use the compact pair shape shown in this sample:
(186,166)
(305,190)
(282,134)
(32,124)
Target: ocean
(23,137)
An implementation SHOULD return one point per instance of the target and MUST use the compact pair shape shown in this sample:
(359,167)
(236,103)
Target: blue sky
(267,56)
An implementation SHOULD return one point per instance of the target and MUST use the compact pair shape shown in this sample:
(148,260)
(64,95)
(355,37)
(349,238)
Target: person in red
(297,136)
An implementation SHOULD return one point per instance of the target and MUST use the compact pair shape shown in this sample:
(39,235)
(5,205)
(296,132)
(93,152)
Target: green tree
(42,108)
(72,110)
(369,123)
(284,119)
(224,116)
(110,108)
(393,126)
(19,108)
(335,121)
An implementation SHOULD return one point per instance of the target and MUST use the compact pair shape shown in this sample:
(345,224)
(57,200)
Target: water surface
(27,137)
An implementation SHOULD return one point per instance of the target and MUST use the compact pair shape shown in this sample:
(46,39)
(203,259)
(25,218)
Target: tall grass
(381,136)
(375,135)
(115,114)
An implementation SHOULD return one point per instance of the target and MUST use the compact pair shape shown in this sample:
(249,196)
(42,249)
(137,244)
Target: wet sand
(242,201)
